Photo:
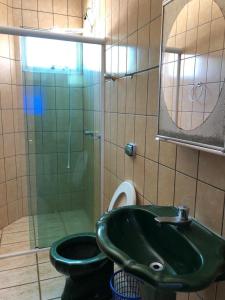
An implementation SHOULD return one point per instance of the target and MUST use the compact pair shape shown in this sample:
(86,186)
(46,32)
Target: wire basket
(125,286)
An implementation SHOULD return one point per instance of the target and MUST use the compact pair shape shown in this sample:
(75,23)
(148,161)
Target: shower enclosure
(59,78)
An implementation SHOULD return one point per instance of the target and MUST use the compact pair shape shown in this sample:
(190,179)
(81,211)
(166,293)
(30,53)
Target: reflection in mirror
(193,61)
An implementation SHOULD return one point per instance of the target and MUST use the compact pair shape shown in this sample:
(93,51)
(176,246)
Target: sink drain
(156,266)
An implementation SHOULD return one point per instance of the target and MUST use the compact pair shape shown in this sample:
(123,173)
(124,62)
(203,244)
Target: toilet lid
(126,188)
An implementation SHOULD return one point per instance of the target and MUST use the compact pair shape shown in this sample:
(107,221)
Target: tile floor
(40,231)
(29,277)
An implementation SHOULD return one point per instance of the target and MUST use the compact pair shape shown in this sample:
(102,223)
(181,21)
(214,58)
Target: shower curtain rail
(50,35)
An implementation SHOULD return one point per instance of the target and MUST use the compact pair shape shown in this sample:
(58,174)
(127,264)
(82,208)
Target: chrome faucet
(181,219)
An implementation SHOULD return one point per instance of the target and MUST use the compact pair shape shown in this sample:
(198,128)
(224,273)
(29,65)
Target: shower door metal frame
(71,37)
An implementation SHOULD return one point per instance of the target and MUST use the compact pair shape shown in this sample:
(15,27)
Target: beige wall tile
(10,167)
(120,163)
(17,17)
(45,5)
(6,96)
(187,161)
(60,7)
(2,194)
(121,130)
(107,126)
(75,8)
(143,48)
(1,147)
(212,169)
(45,20)
(60,21)
(132,16)
(114,97)
(166,186)
(113,126)
(214,64)
(217,34)
(132,53)
(139,163)
(151,181)
(209,206)
(3,15)
(153,90)
(156,8)
(7,121)
(17,3)
(11,189)
(9,144)
(113,164)
(4,45)
(185,191)
(167,154)
(131,97)
(205,11)
(141,94)
(154,52)
(122,93)
(5,76)
(2,170)
(30,18)
(140,129)
(144,13)
(115,21)
(74,22)
(3,216)
(129,133)
(123,19)
(27,4)
(129,167)
(203,38)
(152,146)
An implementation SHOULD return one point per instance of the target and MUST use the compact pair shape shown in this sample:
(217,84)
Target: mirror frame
(185,142)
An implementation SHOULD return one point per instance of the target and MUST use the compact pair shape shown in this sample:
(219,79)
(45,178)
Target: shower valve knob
(130,149)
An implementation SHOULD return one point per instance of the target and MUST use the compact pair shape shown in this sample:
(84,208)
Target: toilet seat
(128,190)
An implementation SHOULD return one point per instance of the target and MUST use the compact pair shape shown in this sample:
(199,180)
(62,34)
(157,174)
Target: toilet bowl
(78,257)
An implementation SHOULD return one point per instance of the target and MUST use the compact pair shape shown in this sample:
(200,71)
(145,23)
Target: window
(46,55)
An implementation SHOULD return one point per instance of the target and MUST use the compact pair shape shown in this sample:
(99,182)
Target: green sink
(186,258)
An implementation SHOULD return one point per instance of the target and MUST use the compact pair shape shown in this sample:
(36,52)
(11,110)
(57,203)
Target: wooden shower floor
(24,235)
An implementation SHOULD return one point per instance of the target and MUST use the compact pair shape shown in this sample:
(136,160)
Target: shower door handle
(92,134)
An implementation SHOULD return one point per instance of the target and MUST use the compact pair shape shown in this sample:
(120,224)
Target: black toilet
(88,270)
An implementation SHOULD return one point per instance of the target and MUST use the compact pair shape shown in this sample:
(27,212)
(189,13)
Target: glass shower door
(62,106)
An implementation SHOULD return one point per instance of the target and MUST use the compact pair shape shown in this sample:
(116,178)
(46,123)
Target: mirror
(193,60)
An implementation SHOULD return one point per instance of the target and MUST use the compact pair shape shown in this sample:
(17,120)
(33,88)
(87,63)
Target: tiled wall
(47,14)
(163,173)
(12,159)
(13,152)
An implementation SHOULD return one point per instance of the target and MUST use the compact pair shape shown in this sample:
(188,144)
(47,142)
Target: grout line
(18,285)
(20,267)
(21,253)
(38,275)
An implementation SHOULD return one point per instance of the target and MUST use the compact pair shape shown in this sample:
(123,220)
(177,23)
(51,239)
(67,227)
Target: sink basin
(187,258)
